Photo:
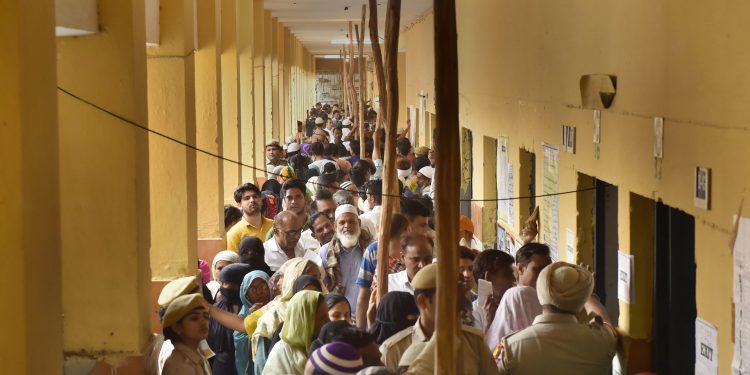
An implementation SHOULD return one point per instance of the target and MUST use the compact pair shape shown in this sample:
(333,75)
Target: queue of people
(294,292)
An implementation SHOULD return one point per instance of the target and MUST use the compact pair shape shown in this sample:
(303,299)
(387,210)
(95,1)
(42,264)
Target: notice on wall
(741,297)
(504,183)
(625,270)
(706,348)
(550,204)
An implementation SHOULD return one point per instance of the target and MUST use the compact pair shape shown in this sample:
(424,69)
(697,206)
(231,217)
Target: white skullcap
(404,173)
(344,208)
(319,120)
(289,139)
(293,147)
(427,172)
(346,122)
(565,286)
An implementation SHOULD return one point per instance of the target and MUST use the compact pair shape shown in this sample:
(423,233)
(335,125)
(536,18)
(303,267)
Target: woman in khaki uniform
(186,325)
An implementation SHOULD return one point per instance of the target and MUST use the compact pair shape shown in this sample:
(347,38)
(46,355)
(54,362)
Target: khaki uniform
(394,347)
(558,344)
(473,355)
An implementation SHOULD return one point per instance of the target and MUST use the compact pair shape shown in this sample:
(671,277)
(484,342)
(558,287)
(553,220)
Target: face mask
(232,296)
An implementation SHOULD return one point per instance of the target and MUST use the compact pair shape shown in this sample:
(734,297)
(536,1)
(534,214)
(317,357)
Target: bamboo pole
(390,183)
(446,188)
(361,67)
(352,90)
(345,68)
(342,97)
(377,58)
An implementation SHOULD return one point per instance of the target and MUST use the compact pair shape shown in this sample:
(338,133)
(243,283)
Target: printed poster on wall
(550,204)
(706,348)
(625,271)
(741,297)
(504,183)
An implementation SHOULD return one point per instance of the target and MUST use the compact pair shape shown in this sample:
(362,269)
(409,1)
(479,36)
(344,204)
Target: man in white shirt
(416,252)
(285,244)
(371,219)
(320,233)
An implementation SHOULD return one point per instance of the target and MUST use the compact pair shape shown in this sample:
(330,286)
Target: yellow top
(243,229)
(251,322)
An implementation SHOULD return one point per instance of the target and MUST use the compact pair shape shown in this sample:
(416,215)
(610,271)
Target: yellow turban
(565,286)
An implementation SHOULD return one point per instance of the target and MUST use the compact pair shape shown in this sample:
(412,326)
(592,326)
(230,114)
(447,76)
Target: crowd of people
(294,291)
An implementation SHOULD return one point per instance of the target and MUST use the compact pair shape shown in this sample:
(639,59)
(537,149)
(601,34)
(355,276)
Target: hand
(255,307)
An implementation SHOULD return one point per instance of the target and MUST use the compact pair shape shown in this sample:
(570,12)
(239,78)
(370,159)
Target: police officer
(556,343)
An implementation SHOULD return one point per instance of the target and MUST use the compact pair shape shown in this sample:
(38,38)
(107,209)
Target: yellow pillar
(259,78)
(230,99)
(268,77)
(275,105)
(289,123)
(29,190)
(245,44)
(104,187)
(171,110)
(208,124)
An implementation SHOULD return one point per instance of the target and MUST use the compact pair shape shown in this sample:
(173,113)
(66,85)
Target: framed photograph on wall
(702,188)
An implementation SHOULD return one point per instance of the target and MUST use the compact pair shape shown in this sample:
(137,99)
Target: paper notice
(484,290)
(706,348)
(625,268)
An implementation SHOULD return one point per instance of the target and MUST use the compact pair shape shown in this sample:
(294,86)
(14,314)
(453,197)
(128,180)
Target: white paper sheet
(625,268)
(484,290)
(706,348)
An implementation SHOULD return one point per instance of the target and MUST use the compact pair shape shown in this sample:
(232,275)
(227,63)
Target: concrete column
(29,190)
(230,99)
(259,78)
(208,130)
(276,114)
(171,110)
(245,43)
(268,44)
(289,122)
(104,191)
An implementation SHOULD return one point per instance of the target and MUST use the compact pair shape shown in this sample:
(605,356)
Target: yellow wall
(29,204)
(519,70)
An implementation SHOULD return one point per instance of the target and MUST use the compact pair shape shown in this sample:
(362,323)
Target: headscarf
(327,332)
(205,271)
(241,344)
(516,311)
(276,310)
(565,286)
(337,358)
(299,322)
(225,255)
(392,315)
(253,254)
(233,273)
(303,281)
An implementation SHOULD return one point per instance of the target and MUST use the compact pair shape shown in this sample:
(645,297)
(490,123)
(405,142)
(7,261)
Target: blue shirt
(349,262)
(368,267)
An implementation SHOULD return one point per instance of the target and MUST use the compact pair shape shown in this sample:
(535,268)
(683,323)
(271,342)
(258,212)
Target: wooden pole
(342,82)
(377,58)
(447,165)
(352,90)
(345,68)
(390,183)
(361,68)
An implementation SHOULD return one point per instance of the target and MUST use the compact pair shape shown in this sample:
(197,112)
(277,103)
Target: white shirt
(371,220)
(275,257)
(399,282)
(308,241)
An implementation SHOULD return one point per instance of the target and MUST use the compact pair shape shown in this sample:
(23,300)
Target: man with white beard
(343,255)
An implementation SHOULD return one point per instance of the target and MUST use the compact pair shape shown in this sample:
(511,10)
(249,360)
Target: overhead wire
(221,157)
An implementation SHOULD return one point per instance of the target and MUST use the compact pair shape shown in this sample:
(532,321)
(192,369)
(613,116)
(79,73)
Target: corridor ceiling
(316,23)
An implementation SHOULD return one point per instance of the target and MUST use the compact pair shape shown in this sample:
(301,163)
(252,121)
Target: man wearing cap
(466,234)
(474,356)
(273,157)
(424,180)
(392,349)
(292,149)
(174,289)
(342,256)
(557,342)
